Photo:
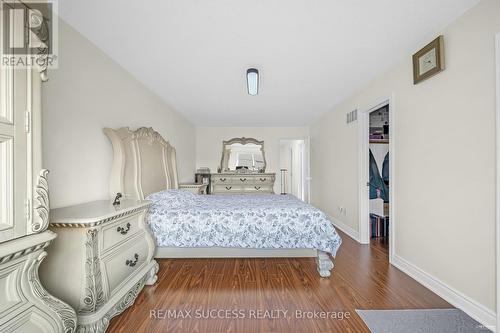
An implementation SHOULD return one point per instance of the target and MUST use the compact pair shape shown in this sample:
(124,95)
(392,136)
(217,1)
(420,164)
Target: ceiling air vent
(352,116)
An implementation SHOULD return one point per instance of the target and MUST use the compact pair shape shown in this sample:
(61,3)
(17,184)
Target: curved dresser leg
(152,277)
(324,263)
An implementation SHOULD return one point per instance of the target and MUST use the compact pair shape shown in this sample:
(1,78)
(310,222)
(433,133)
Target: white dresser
(105,254)
(242,169)
(242,183)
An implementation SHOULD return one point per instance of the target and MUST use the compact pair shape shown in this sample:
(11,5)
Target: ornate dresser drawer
(242,183)
(119,232)
(243,180)
(264,180)
(227,189)
(110,250)
(124,262)
(258,188)
(222,179)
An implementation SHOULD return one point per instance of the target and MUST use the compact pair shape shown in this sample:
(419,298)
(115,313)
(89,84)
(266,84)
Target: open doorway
(294,159)
(379,175)
(377,195)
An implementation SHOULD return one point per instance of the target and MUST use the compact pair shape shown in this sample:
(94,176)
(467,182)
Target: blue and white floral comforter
(182,219)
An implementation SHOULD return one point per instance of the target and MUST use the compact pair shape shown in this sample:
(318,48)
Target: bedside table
(101,259)
(194,188)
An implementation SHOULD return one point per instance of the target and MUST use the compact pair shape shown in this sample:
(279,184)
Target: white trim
(363,176)
(351,232)
(497,56)
(392,177)
(472,308)
(363,123)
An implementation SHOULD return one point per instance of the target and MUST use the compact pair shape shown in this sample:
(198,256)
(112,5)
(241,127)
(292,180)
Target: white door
(293,159)
(13,144)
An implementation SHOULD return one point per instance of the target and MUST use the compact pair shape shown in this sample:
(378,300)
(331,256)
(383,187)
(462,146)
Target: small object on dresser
(117,199)
(202,176)
(203,170)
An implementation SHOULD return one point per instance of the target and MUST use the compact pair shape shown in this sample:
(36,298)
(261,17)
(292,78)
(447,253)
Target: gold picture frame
(429,60)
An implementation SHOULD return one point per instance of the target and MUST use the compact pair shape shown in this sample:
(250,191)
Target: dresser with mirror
(242,169)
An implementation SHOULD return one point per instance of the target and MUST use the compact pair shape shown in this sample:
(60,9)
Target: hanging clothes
(377,186)
(385,169)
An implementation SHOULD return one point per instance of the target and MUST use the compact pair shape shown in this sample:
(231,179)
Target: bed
(187,225)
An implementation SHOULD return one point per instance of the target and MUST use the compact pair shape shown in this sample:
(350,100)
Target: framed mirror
(243,155)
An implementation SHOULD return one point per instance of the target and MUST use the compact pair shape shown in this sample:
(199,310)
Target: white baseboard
(354,234)
(477,311)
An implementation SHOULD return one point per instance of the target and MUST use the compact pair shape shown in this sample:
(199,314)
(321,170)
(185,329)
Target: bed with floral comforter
(182,219)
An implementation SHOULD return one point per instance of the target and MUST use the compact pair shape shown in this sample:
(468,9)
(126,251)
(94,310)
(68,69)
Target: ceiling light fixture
(253,81)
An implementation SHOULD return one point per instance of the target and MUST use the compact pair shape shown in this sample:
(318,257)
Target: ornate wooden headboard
(143,163)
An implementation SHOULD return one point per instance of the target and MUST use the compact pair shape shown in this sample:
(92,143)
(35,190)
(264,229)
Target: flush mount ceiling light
(253,81)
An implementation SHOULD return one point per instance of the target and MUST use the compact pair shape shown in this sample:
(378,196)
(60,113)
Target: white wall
(88,92)
(444,159)
(209,144)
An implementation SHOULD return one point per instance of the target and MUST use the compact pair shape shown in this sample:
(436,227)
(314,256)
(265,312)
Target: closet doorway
(294,159)
(376,222)
(378,169)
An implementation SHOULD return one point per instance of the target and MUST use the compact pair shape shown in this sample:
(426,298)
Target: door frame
(306,167)
(364,174)
(497,199)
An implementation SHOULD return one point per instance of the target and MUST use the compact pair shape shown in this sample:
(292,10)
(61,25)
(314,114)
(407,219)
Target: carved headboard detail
(143,163)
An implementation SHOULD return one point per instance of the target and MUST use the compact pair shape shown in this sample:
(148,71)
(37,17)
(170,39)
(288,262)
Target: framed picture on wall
(428,61)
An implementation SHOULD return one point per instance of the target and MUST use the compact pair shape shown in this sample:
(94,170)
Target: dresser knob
(228,187)
(243,179)
(122,230)
(263,179)
(132,263)
(222,179)
(257,188)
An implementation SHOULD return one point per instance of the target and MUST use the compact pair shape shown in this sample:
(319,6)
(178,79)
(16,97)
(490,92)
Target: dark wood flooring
(362,279)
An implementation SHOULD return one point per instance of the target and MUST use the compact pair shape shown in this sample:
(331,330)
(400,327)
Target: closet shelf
(379,141)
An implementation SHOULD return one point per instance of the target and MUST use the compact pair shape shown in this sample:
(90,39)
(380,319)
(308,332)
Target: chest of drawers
(105,254)
(242,183)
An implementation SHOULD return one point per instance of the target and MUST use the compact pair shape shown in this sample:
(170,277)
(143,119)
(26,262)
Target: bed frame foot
(325,264)
(152,277)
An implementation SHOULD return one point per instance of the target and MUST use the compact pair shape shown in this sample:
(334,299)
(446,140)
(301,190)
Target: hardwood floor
(362,279)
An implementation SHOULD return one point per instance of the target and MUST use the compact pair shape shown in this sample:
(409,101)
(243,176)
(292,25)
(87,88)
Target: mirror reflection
(243,155)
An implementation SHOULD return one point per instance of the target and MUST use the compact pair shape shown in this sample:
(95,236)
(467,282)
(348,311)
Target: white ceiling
(311,54)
